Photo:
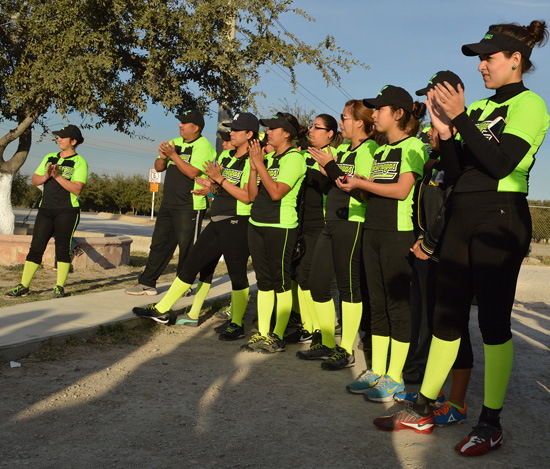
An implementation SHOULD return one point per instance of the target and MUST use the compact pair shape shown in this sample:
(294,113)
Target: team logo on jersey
(232,175)
(385,170)
(273,173)
(347,168)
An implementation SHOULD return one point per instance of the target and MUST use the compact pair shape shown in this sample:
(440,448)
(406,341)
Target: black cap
(279,121)
(244,121)
(71,131)
(495,42)
(192,116)
(440,77)
(391,96)
(225,136)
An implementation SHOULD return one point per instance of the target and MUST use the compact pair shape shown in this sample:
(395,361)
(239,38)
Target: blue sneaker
(450,415)
(412,396)
(384,390)
(366,380)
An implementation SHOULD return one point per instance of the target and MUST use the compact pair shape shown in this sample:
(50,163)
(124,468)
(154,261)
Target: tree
(107,60)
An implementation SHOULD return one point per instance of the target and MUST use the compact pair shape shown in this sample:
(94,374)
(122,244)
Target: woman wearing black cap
(338,249)
(489,230)
(226,235)
(387,239)
(273,229)
(63,175)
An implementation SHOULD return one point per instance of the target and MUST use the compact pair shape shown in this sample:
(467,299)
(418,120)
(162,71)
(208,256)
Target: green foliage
(23,194)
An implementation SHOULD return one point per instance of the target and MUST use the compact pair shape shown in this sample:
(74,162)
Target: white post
(153,206)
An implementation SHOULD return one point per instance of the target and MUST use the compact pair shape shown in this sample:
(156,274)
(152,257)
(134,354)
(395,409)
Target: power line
(344,92)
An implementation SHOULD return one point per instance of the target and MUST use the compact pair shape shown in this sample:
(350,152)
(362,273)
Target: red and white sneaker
(483,438)
(406,419)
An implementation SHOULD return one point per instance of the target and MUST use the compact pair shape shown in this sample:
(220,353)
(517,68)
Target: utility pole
(223,115)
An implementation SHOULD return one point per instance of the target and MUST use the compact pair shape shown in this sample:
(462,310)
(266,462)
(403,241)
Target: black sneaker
(295,336)
(77,251)
(18,290)
(151,312)
(58,292)
(222,327)
(255,341)
(294,320)
(232,332)
(316,352)
(272,344)
(339,359)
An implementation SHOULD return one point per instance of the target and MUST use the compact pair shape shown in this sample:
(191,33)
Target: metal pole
(153,206)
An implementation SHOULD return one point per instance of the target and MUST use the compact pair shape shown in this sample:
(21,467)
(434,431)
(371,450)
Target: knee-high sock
(351,318)
(305,313)
(327,316)
(200,296)
(498,367)
(380,347)
(266,302)
(239,301)
(173,294)
(29,269)
(316,326)
(441,357)
(284,307)
(399,352)
(62,272)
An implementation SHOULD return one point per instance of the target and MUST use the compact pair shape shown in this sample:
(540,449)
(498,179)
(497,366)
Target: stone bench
(105,252)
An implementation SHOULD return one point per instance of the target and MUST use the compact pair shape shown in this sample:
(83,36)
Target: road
(89,222)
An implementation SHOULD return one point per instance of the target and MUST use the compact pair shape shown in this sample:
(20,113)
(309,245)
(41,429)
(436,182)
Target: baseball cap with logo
(192,116)
(71,131)
(440,77)
(391,96)
(494,42)
(279,121)
(244,121)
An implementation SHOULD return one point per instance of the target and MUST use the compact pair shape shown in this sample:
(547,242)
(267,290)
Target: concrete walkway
(24,327)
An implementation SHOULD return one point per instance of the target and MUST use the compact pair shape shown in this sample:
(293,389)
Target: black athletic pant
(338,250)
(271,250)
(386,255)
(62,222)
(484,245)
(174,227)
(303,266)
(422,311)
(226,237)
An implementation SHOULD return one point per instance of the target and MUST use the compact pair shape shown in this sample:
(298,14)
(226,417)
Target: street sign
(154,177)
(153,187)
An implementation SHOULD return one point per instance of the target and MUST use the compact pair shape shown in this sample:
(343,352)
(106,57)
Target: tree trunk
(6,213)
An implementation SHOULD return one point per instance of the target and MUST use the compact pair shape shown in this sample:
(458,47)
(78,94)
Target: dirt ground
(178,397)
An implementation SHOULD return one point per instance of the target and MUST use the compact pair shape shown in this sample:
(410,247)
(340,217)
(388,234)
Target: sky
(403,43)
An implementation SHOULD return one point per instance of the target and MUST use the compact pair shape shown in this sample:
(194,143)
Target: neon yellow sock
(239,301)
(351,318)
(327,317)
(266,302)
(200,296)
(62,273)
(498,368)
(284,307)
(441,357)
(173,294)
(399,351)
(315,325)
(304,311)
(29,269)
(380,347)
